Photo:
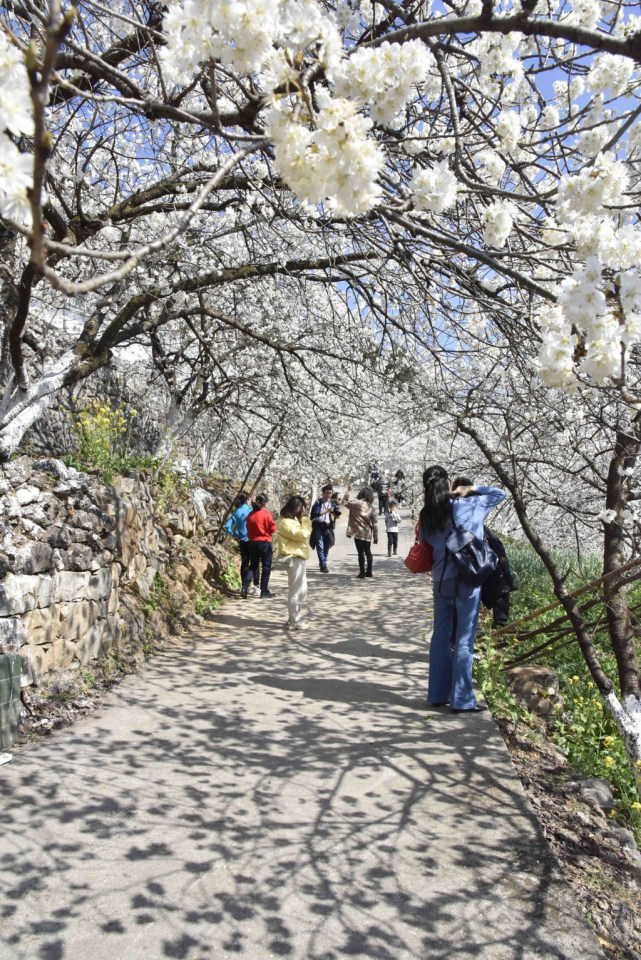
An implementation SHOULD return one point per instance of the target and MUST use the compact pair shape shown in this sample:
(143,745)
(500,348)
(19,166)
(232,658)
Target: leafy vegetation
(160,597)
(584,730)
(102,437)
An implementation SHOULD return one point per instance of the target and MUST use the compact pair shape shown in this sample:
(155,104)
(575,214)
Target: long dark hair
(294,508)
(436,512)
(240,499)
(260,501)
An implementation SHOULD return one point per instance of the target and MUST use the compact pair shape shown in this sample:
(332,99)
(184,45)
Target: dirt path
(255,795)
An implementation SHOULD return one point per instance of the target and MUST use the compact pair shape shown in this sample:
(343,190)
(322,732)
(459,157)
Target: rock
(12,634)
(69,585)
(109,542)
(34,558)
(85,521)
(92,644)
(25,495)
(623,836)
(60,654)
(597,793)
(19,471)
(80,617)
(20,593)
(41,626)
(65,490)
(538,688)
(51,465)
(58,537)
(99,585)
(78,557)
(12,508)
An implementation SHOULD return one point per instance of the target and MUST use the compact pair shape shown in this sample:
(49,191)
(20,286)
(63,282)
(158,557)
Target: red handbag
(420,557)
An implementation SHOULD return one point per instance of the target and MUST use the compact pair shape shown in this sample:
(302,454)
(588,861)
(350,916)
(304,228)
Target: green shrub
(585,731)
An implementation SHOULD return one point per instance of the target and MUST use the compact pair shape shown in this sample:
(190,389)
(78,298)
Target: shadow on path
(256,795)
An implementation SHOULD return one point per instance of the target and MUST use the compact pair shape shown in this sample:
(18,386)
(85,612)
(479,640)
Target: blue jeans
(451,670)
(322,545)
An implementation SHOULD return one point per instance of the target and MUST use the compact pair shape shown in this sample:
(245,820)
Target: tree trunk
(20,408)
(615,593)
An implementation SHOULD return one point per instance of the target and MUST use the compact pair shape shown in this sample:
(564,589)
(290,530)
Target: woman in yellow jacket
(294,530)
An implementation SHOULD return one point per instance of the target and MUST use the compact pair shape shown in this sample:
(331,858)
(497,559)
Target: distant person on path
(383,490)
(392,523)
(325,512)
(495,592)
(260,530)
(294,530)
(398,487)
(236,527)
(363,527)
(450,678)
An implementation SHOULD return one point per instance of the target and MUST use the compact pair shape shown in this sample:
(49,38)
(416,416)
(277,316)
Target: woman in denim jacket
(451,670)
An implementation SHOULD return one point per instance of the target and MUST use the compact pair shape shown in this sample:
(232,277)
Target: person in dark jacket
(383,490)
(324,514)
(495,591)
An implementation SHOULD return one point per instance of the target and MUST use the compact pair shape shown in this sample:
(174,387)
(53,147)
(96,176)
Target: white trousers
(297,580)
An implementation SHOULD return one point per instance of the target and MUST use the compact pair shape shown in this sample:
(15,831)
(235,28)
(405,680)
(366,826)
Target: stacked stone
(68,545)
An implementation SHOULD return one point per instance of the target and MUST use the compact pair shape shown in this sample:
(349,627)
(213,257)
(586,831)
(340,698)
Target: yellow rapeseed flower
(636,805)
(609,761)
(608,741)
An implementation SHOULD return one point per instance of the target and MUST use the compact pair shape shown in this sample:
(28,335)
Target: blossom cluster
(498,219)
(600,303)
(16,118)
(435,189)
(335,162)
(322,149)
(384,77)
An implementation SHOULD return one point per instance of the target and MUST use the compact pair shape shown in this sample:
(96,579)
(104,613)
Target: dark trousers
(364,548)
(392,543)
(260,555)
(245,561)
(501,610)
(382,503)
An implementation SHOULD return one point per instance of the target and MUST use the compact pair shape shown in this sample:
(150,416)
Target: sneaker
(298,625)
(266,593)
(243,592)
(253,590)
(324,570)
(369,574)
(359,576)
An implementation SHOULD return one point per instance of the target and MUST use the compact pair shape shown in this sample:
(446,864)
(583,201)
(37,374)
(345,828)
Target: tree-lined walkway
(253,794)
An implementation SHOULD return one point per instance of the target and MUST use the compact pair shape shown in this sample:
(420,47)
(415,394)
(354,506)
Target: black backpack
(473,558)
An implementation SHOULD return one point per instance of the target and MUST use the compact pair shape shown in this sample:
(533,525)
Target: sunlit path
(256,795)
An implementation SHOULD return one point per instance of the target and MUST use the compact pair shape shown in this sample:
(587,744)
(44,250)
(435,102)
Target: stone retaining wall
(69,546)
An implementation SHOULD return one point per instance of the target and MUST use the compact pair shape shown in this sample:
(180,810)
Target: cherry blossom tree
(487,149)
(459,180)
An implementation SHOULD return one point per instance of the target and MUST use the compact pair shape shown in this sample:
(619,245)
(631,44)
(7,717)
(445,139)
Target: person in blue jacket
(450,678)
(236,527)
